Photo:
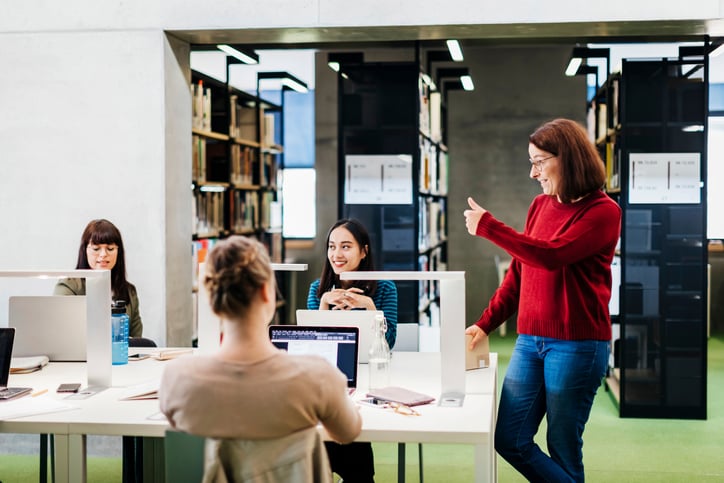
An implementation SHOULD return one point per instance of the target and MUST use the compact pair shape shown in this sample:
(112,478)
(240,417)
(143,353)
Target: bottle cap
(118,307)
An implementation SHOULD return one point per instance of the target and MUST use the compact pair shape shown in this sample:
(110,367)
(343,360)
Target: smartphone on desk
(138,357)
(68,387)
(371,401)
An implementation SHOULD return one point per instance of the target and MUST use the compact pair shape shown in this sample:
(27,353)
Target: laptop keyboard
(11,392)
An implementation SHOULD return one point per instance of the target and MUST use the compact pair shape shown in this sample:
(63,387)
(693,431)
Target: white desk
(105,414)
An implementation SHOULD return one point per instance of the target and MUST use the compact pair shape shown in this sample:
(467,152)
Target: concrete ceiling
(580,32)
(497,34)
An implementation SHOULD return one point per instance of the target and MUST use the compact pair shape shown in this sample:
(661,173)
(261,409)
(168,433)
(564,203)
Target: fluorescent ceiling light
(333,65)
(573,66)
(693,128)
(242,56)
(285,78)
(467,82)
(295,85)
(455,51)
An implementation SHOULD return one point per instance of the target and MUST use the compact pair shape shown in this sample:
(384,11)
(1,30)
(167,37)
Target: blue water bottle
(119,332)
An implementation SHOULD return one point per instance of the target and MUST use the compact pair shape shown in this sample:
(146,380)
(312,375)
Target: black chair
(140,342)
(133,445)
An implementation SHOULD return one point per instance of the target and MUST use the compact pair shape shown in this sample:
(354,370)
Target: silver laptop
(364,320)
(49,325)
(6,352)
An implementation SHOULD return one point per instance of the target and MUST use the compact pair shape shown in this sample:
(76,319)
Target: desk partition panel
(98,317)
(452,326)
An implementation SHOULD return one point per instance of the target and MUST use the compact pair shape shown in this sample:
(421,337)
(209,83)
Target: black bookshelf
(660,368)
(383,110)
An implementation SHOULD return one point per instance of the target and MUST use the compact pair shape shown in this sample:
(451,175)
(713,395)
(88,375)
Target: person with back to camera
(348,249)
(250,389)
(559,282)
(101,248)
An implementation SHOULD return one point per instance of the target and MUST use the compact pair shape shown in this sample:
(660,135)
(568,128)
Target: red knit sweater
(560,278)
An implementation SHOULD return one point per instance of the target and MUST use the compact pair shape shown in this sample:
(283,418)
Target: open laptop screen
(339,345)
(6,353)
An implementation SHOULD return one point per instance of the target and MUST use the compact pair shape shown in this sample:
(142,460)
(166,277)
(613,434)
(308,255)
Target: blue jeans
(556,379)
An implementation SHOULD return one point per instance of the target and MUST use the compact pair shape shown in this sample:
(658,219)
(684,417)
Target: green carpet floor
(615,449)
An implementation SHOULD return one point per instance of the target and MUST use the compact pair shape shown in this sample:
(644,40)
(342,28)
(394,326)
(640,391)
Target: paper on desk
(24,365)
(168,354)
(30,406)
(146,390)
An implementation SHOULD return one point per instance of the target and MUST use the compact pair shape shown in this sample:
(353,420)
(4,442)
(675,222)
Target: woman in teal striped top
(348,249)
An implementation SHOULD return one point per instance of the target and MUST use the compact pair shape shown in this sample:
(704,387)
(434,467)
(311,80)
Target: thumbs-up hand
(473,215)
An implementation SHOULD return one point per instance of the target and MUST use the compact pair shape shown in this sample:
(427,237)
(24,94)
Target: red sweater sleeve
(560,278)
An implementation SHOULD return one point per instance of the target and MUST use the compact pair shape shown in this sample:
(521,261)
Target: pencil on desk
(39,393)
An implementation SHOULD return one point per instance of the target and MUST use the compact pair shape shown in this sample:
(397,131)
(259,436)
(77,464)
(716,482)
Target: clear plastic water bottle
(119,332)
(380,355)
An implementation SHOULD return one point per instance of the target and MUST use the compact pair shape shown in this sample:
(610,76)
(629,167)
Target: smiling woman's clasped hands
(346,299)
(473,215)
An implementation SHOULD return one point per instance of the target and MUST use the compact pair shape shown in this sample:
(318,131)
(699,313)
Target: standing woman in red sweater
(559,282)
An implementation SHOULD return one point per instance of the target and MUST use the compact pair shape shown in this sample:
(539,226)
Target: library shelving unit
(235,168)
(659,368)
(604,128)
(393,175)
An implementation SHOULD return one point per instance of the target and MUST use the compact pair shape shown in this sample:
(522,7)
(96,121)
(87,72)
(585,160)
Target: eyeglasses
(538,163)
(402,409)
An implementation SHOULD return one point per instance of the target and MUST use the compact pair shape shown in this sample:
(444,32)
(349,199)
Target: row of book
(198,159)
(602,116)
(248,211)
(244,165)
(208,213)
(201,106)
(268,137)
(201,247)
(245,169)
(613,166)
(430,289)
(433,168)
(430,109)
(242,120)
(243,211)
(269,169)
(270,215)
(432,222)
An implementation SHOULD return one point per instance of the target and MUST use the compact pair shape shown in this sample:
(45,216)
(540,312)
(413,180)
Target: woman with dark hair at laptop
(249,389)
(349,249)
(101,248)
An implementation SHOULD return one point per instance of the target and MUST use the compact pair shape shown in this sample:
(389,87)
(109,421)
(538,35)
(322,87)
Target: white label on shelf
(378,179)
(664,178)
